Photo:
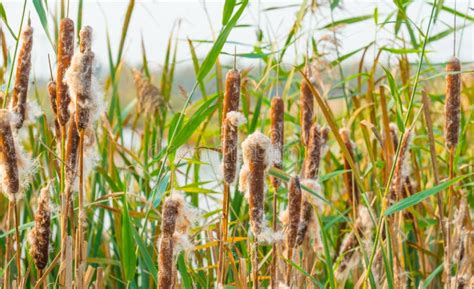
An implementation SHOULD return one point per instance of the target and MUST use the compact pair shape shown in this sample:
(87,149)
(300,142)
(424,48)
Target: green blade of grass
(419,197)
(211,57)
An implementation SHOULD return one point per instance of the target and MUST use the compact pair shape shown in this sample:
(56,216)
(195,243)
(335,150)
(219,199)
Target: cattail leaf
(348,55)
(347,21)
(43,18)
(228,9)
(3,15)
(194,58)
(401,50)
(394,92)
(211,57)
(193,123)
(419,197)
(185,278)
(327,253)
(425,284)
(145,255)
(129,258)
(299,268)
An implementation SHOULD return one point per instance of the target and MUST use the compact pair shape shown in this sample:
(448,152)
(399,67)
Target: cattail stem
(255,263)
(18,242)
(224,233)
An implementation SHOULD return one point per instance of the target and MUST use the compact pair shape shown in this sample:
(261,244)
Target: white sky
(155,19)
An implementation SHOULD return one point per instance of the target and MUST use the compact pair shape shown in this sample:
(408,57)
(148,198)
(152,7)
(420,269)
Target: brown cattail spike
(20,90)
(52,96)
(306,215)
(294,210)
(452,105)
(313,153)
(232,92)
(351,187)
(168,226)
(170,212)
(230,143)
(72,147)
(40,235)
(65,52)
(306,106)
(277,132)
(8,157)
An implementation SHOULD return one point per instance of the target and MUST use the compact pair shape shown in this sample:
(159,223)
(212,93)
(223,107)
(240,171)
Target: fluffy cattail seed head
(8,157)
(20,89)
(41,232)
(79,80)
(294,211)
(452,105)
(277,132)
(232,92)
(229,144)
(65,52)
(85,39)
(257,157)
(306,106)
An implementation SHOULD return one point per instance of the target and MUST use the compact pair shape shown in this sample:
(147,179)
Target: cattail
(72,147)
(40,235)
(230,143)
(452,105)
(65,52)
(168,226)
(277,133)
(306,106)
(294,210)
(308,221)
(8,157)
(313,153)
(20,90)
(169,215)
(351,188)
(257,157)
(79,78)
(52,96)
(401,167)
(232,93)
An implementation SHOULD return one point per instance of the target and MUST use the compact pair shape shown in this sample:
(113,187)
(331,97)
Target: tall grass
(351,176)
